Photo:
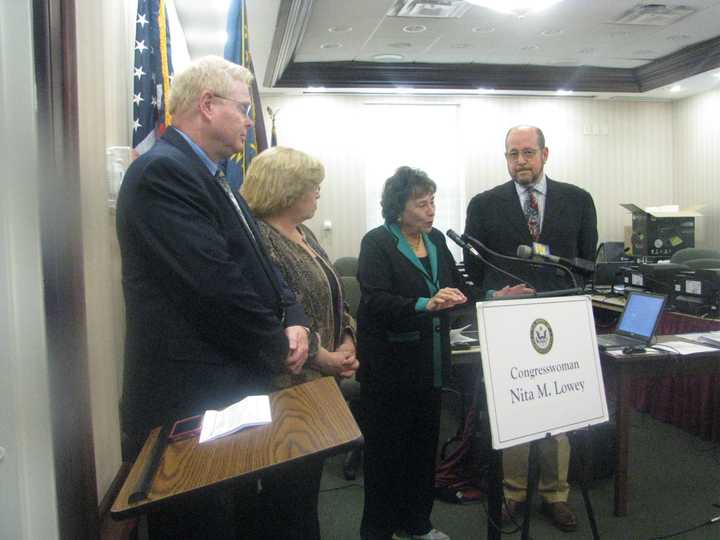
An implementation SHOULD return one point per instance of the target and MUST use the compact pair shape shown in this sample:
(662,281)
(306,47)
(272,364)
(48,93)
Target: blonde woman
(282,188)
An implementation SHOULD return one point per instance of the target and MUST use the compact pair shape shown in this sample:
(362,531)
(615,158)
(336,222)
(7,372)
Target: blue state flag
(237,50)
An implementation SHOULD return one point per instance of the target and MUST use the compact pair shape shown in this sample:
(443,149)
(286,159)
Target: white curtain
(424,136)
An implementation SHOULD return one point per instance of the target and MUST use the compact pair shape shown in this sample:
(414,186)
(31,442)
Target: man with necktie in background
(209,319)
(532,208)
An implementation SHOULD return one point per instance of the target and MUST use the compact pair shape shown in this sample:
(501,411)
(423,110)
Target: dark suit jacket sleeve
(173,217)
(474,228)
(588,238)
(375,274)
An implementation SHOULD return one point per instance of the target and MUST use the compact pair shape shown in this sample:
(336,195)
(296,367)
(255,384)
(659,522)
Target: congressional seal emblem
(541,336)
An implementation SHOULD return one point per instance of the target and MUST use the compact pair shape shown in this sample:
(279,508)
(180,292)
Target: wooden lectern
(310,419)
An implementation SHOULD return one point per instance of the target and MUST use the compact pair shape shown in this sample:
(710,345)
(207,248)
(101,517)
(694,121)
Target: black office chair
(703,263)
(688,254)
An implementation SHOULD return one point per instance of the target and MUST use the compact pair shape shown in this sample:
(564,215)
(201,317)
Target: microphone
(492,252)
(455,237)
(460,241)
(526,252)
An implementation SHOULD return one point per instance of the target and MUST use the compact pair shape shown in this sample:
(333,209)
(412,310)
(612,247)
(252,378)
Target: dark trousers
(401,432)
(283,506)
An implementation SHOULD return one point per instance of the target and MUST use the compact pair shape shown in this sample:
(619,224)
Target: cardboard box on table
(659,232)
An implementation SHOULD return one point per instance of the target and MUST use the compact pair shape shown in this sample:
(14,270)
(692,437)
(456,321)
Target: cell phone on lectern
(186,428)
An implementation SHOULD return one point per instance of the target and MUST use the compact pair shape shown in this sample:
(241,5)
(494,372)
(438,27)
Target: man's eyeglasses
(243,108)
(527,154)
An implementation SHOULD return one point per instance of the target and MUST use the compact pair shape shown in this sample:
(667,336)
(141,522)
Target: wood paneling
(457,76)
(62,256)
(685,63)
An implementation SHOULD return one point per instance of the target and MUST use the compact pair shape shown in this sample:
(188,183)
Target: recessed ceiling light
(460,45)
(388,57)
(400,45)
(530,48)
(679,37)
(676,88)
(340,29)
(552,32)
(414,28)
(331,45)
(563,92)
(517,7)
(315,89)
(483,29)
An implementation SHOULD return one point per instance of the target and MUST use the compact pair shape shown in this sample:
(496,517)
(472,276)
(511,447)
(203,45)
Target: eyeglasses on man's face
(527,154)
(243,108)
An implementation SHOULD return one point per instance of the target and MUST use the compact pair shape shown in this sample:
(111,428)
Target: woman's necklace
(415,245)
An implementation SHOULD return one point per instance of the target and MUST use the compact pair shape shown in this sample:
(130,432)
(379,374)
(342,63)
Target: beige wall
(104,78)
(619,151)
(696,170)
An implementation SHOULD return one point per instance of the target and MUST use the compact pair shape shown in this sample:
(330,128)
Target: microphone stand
(559,292)
(494,267)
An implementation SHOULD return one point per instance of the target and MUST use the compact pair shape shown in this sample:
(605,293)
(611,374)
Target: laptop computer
(637,324)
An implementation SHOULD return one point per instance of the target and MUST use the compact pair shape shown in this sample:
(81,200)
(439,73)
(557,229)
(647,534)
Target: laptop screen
(641,314)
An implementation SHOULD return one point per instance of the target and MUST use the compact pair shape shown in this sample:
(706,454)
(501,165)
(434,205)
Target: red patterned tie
(532,214)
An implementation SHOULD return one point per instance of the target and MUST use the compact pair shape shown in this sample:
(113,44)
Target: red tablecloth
(691,402)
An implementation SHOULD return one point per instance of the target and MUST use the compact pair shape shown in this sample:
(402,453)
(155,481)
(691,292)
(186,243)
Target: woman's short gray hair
(407,183)
(211,73)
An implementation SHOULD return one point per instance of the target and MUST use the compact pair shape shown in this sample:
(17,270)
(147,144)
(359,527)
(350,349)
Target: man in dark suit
(209,319)
(532,208)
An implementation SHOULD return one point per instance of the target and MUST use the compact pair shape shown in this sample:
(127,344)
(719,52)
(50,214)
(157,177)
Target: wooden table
(609,302)
(308,419)
(622,369)
(685,401)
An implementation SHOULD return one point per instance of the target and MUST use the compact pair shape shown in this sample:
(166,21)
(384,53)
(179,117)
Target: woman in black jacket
(408,279)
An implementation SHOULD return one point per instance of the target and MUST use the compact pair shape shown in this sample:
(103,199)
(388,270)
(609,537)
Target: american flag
(237,50)
(152,73)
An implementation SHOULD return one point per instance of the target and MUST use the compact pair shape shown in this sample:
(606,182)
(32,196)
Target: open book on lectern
(541,368)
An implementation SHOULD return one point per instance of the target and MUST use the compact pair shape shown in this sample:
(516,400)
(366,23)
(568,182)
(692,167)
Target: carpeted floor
(674,480)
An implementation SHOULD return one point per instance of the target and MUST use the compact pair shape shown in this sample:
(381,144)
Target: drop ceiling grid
(585,24)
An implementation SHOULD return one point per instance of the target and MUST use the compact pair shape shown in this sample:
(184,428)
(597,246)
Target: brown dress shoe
(512,511)
(561,515)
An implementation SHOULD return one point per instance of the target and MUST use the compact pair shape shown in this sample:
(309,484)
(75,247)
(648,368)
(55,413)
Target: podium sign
(541,367)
